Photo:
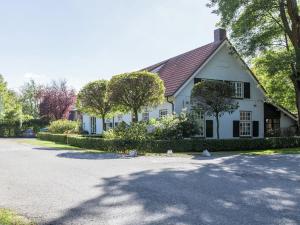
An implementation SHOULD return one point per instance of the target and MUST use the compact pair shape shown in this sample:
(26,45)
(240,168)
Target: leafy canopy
(10,107)
(30,98)
(93,99)
(134,91)
(214,98)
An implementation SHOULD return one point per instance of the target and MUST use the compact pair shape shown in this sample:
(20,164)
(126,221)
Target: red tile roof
(177,70)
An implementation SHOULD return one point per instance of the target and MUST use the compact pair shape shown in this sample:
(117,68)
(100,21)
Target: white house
(214,61)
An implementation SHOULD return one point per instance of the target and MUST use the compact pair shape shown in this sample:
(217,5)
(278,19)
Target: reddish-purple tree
(56,100)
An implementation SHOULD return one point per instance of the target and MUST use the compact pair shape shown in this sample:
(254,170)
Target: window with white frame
(238,89)
(145,116)
(93,125)
(245,123)
(163,113)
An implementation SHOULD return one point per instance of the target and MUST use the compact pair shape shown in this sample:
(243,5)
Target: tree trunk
(218,134)
(103,123)
(296,81)
(135,118)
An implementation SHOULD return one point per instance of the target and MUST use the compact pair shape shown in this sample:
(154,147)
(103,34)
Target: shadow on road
(92,156)
(238,190)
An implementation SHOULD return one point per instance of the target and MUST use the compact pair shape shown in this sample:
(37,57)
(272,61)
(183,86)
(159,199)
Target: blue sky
(84,40)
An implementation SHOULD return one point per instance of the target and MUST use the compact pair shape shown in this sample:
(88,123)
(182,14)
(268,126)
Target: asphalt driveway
(64,187)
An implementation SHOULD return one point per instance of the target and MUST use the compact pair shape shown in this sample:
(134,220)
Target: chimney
(219,35)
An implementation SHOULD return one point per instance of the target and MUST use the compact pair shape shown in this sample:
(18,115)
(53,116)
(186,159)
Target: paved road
(59,187)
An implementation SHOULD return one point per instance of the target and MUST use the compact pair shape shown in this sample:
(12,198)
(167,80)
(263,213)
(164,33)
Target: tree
(10,107)
(93,100)
(30,98)
(133,91)
(278,86)
(260,26)
(56,100)
(214,98)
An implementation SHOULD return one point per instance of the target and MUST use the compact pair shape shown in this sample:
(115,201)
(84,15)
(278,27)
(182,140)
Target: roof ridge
(154,66)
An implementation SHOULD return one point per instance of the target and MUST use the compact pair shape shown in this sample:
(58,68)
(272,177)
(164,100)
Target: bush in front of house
(64,127)
(134,132)
(179,145)
(170,127)
(174,127)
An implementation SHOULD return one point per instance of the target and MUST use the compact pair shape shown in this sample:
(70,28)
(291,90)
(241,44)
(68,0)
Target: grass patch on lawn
(7,217)
(266,152)
(58,146)
(49,144)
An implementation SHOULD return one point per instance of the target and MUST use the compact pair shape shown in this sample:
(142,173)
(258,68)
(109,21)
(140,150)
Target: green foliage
(30,99)
(16,129)
(10,107)
(277,84)
(64,127)
(182,145)
(167,128)
(134,132)
(93,99)
(255,25)
(268,28)
(174,127)
(134,91)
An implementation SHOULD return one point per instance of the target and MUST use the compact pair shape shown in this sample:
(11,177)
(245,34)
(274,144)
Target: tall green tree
(260,26)
(130,92)
(278,85)
(10,107)
(93,100)
(214,98)
(30,98)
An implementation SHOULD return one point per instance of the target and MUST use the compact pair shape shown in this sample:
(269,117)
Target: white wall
(286,121)
(225,66)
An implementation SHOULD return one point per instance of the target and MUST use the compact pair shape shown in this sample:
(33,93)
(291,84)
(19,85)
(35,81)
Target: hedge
(185,145)
(16,128)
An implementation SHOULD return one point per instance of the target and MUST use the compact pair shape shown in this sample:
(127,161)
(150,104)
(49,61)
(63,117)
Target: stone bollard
(206,153)
(133,153)
(170,152)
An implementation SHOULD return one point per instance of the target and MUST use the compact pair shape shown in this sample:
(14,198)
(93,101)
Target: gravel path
(67,187)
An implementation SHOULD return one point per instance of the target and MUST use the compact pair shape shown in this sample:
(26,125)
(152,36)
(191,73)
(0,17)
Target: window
(109,125)
(163,113)
(238,89)
(93,125)
(245,123)
(273,127)
(145,116)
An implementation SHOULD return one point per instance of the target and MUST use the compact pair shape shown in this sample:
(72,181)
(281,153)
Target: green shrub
(134,132)
(64,127)
(175,127)
(180,145)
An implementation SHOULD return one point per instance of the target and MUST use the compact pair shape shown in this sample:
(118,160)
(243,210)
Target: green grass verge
(48,144)
(282,151)
(57,146)
(7,217)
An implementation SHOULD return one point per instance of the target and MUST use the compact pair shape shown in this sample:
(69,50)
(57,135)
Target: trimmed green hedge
(185,145)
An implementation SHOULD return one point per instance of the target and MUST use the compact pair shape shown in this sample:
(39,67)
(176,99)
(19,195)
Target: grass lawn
(56,146)
(7,217)
(230,153)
